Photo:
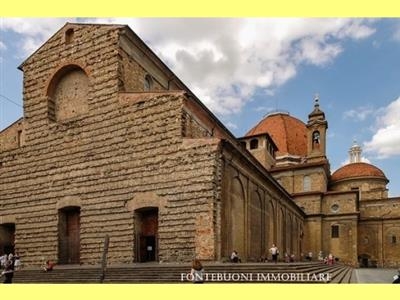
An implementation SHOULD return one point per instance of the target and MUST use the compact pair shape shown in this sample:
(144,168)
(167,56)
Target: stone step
(164,273)
(343,275)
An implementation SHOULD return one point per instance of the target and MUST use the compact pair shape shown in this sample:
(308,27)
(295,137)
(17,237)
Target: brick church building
(113,143)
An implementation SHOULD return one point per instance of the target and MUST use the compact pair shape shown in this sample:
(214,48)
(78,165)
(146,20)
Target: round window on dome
(335,208)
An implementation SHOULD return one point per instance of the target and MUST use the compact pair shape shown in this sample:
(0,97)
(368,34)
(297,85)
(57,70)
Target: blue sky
(244,68)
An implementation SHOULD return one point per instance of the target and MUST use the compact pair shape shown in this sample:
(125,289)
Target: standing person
(197,271)
(330,259)
(309,256)
(149,249)
(274,252)
(320,256)
(17,261)
(3,260)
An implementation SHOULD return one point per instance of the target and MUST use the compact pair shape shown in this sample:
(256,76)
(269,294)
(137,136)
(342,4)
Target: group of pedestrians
(9,263)
(274,251)
(197,270)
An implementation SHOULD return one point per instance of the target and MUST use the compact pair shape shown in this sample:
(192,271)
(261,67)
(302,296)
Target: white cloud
(386,140)
(2,48)
(396,32)
(224,60)
(358,29)
(347,161)
(33,26)
(359,114)
(231,125)
(33,32)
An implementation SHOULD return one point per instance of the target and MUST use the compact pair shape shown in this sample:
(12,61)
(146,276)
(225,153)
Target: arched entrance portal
(146,220)
(69,235)
(7,237)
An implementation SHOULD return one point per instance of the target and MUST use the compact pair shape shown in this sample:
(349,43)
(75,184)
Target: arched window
(253,144)
(148,83)
(306,183)
(316,137)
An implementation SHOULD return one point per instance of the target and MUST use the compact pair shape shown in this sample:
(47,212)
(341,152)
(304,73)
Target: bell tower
(316,133)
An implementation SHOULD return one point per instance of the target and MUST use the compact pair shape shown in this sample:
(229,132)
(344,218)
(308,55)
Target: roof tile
(288,133)
(358,169)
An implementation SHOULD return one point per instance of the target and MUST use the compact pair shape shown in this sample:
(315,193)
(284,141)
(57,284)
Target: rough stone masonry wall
(13,136)
(94,49)
(35,177)
(101,165)
(133,75)
(200,186)
(101,160)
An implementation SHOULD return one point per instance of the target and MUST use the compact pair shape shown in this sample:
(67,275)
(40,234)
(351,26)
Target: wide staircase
(302,272)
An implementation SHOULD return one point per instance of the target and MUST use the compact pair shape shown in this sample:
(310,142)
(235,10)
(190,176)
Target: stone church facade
(113,143)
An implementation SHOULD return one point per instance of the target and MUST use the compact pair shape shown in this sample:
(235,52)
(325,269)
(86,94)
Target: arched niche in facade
(237,218)
(255,213)
(67,93)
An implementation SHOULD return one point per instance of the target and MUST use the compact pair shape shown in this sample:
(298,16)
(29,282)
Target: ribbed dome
(288,133)
(357,170)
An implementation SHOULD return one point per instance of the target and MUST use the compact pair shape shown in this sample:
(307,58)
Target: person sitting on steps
(235,257)
(48,266)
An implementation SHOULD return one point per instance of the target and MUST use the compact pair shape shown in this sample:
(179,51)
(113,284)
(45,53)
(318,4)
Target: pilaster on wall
(312,236)
(204,237)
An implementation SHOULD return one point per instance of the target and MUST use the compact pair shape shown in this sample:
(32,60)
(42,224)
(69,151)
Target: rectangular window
(335,231)
(307,183)
(19,138)
(394,239)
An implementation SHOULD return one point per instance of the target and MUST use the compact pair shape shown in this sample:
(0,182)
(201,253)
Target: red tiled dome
(355,170)
(288,133)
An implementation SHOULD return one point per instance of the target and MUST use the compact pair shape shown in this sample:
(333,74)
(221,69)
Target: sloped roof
(357,170)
